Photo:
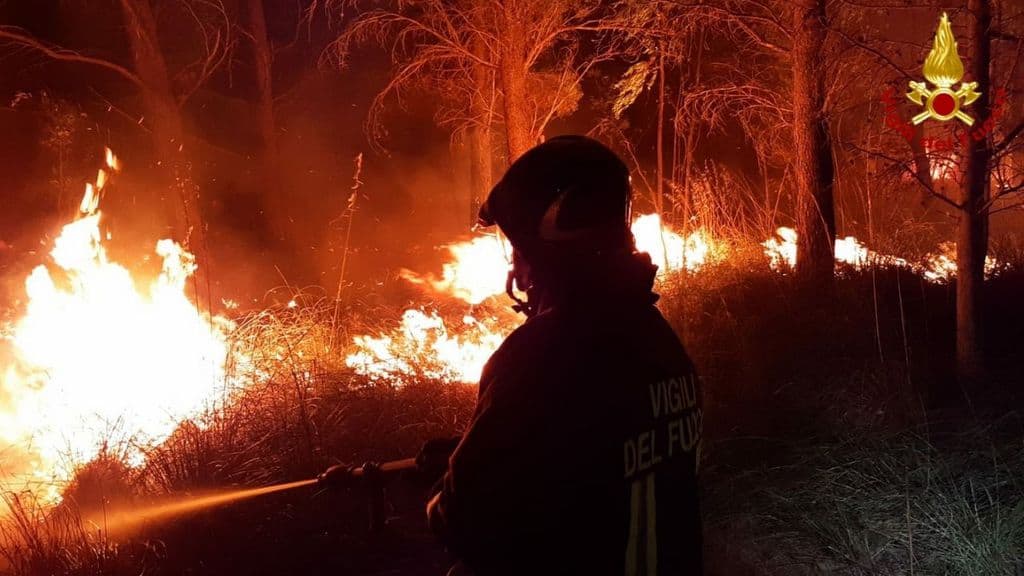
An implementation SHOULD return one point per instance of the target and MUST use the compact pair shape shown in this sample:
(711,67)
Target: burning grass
(300,406)
(278,394)
(297,409)
(101,357)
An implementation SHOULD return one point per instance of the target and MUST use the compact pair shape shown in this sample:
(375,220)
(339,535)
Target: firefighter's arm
(479,488)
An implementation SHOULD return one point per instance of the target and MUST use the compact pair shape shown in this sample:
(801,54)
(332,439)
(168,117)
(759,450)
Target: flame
(941,266)
(781,249)
(427,346)
(943,66)
(478,269)
(95,358)
(669,250)
(936,267)
(424,346)
(942,164)
(112,161)
(851,251)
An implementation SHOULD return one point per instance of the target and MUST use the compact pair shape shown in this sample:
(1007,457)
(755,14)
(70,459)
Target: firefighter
(583,452)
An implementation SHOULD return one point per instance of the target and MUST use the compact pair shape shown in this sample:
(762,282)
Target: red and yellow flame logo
(943,68)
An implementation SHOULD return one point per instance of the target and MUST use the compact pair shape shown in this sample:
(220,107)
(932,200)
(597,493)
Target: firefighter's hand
(432,461)
(435,518)
(338,477)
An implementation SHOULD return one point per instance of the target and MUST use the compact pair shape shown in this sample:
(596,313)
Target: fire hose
(369,481)
(371,478)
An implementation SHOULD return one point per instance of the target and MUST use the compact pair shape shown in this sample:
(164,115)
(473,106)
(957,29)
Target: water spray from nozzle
(117,520)
(335,477)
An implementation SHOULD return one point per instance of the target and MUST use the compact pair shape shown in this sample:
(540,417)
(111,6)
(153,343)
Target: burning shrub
(96,354)
(426,348)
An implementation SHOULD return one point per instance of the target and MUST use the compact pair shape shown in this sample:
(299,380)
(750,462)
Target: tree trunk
(480,163)
(814,169)
(263,60)
(690,149)
(659,193)
(922,165)
(972,229)
(164,120)
(263,64)
(514,72)
(480,167)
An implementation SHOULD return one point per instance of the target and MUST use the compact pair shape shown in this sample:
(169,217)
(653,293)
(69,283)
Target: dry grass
(902,503)
(71,539)
(875,494)
(295,409)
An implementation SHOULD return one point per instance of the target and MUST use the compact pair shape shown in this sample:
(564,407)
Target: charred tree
(922,165)
(480,168)
(163,94)
(514,68)
(480,163)
(149,64)
(814,169)
(532,58)
(165,122)
(659,188)
(263,66)
(972,226)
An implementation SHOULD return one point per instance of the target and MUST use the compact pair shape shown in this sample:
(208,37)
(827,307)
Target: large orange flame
(99,355)
(671,251)
(479,267)
(477,270)
(427,346)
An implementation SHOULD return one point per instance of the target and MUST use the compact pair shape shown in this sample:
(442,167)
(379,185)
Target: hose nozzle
(337,477)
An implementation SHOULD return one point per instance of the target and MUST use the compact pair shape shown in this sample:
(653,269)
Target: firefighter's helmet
(568,196)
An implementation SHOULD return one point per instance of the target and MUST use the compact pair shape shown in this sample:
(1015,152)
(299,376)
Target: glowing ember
(669,250)
(424,347)
(96,359)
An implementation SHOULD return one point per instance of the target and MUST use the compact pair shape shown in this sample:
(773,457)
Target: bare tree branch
(22,38)
(902,165)
(883,57)
(218,44)
(1010,137)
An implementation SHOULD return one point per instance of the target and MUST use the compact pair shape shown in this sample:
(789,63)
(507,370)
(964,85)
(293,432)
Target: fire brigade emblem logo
(943,68)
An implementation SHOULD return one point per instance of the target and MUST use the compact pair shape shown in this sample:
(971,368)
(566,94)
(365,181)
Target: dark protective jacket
(583,452)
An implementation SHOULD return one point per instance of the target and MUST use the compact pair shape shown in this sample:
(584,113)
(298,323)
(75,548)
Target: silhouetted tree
(263,65)
(986,162)
(813,166)
(164,92)
(516,63)
(986,179)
